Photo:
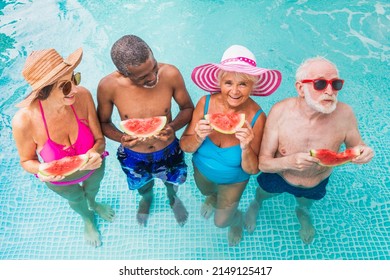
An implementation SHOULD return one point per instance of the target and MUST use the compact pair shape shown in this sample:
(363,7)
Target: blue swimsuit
(221,165)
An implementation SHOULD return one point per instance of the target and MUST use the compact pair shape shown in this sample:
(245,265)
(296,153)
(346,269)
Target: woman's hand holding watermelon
(245,135)
(202,130)
(94,161)
(49,178)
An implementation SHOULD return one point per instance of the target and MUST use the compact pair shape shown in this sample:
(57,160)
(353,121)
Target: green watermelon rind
(163,120)
(224,131)
(42,167)
(354,152)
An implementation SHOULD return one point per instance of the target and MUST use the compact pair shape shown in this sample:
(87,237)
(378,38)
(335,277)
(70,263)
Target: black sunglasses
(320,84)
(67,87)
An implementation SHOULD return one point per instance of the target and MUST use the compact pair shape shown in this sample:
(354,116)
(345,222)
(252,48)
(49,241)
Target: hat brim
(67,65)
(206,77)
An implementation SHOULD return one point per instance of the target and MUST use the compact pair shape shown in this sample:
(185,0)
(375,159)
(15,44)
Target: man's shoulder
(344,109)
(284,104)
(110,78)
(108,83)
(168,69)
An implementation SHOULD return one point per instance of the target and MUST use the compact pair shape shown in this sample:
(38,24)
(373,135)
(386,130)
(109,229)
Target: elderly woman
(223,163)
(58,119)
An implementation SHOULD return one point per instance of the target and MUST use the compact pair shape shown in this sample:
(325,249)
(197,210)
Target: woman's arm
(197,130)
(250,151)
(99,146)
(25,144)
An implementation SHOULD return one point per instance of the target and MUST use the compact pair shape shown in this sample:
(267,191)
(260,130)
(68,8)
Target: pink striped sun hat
(237,59)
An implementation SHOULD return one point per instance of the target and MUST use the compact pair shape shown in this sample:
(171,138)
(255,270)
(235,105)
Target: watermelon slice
(143,127)
(226,123)
(330,158)
(63,167)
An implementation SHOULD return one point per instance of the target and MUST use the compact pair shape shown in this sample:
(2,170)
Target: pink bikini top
(53,151)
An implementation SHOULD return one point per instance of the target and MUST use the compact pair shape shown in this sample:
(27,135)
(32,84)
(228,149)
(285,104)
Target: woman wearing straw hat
(58,119)
(223,162)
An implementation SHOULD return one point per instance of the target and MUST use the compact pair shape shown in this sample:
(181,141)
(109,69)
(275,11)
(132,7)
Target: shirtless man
(143,88)
(312,120)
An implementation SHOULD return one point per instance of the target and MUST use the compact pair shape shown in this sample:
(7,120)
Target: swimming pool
(352,221)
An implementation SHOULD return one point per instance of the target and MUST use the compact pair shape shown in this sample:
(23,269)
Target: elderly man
(312,120)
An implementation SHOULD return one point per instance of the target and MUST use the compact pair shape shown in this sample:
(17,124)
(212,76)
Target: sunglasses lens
(67,88)
(320,84)
(337,84)
(76,78)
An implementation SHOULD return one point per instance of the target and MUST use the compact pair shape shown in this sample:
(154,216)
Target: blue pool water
(352,221)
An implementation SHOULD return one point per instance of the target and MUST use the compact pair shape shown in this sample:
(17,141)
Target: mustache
(328,98)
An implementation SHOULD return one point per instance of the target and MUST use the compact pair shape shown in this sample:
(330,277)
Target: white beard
(316,105)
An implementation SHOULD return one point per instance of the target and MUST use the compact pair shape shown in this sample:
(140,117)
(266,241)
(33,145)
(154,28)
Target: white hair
(302,70)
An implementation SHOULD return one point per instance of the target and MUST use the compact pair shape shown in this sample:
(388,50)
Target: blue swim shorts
(167,164)
(274,183)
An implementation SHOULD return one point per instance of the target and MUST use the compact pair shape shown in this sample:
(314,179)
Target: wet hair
(238,75)
(129,50)
(302,70)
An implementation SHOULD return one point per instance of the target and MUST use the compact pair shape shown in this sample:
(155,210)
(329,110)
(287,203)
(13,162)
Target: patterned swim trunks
(167,164)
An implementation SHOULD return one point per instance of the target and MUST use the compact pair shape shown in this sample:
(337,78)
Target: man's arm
(353,138)
(269,146)
(182,98)
(104,111)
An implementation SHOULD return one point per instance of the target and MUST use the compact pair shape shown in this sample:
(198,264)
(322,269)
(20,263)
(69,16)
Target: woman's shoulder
(84,100)
(83,94)
(22,118)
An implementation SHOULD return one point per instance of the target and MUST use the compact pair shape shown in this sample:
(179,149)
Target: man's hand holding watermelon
(130,141)
(166,134)
(366,154)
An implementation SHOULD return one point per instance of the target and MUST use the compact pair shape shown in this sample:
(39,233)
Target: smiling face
(236,87)
(65,89)
(325,100)
(146,74)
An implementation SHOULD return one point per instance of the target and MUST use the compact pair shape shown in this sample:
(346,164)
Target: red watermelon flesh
(226,123)
(143,127)
(330,158)
(63,167)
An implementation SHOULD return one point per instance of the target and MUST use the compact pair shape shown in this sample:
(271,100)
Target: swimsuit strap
(74,111)
(256,116)
(43,118)
(206,105)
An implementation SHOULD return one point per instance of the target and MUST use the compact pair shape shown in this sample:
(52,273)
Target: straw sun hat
(45,67)
(237,59)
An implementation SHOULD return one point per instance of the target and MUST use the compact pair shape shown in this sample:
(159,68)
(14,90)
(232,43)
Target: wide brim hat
(237,59)
(45,67)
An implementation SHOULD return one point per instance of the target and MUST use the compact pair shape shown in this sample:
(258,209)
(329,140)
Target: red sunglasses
(67,87)
(320,84)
